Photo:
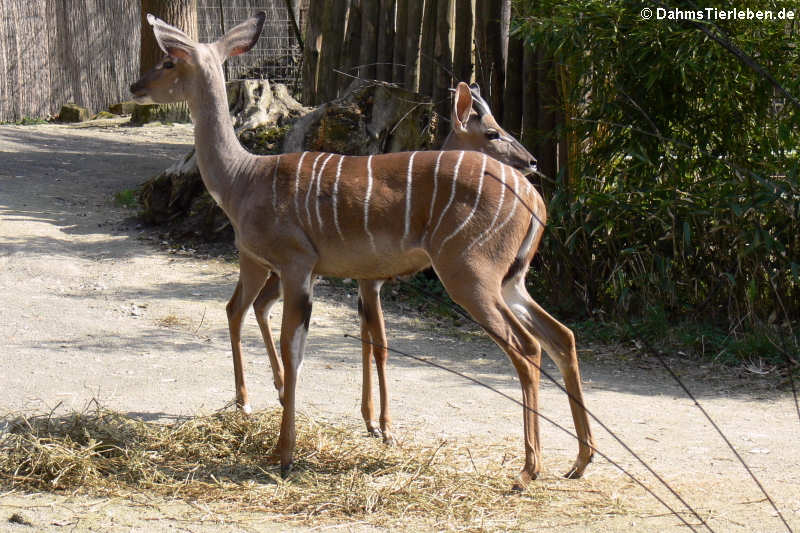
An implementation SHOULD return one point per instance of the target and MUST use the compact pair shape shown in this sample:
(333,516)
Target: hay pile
(227,458)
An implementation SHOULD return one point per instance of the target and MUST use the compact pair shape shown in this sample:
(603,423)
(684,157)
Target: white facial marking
(407,225)
(474,206)
(297,185)
(335,199)
(452,193)
(366,204)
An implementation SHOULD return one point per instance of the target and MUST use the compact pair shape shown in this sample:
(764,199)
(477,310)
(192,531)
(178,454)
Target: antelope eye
(168,64)
(492,135)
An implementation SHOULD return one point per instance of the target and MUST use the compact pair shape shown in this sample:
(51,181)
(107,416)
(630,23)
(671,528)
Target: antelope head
(475,128)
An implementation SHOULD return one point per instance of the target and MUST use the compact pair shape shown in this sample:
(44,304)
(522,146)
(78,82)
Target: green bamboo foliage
(684,192)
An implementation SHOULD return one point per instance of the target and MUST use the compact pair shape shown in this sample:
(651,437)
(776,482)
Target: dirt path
(95,307)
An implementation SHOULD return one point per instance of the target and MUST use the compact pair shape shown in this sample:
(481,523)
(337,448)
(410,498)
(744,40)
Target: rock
(144,114)
(103,114)
(122,108)
(73,113)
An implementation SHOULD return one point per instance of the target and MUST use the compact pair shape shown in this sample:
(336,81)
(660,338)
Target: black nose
(135,87)
(532,163)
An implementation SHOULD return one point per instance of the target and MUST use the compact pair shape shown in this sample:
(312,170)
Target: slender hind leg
(262,306)
(484,301)
(559,343)
(251,279)
(373,331)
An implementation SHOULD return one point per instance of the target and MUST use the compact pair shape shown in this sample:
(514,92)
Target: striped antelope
(473,128)
(477,221)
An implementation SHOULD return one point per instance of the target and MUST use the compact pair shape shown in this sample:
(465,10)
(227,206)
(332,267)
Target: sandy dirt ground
(95,306)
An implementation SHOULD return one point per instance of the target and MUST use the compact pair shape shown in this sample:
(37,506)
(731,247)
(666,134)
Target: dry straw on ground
(227,460)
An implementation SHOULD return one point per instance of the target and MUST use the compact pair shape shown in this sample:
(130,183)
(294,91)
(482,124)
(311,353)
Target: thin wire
(547,419)
(716,427)
(571,397)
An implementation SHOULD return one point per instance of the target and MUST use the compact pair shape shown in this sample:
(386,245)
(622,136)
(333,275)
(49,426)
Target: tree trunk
(513,96)
(370,22)
(333,19)
(311,52)
(444,63)
(462,49)
(413,36)
(488,34)
(383,70)
(401,34)
(428,70)
(293,9)
(183,15)
(530,100)
(539,123)
(351,48)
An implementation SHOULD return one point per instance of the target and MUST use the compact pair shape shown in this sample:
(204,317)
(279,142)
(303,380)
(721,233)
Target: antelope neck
(220,156)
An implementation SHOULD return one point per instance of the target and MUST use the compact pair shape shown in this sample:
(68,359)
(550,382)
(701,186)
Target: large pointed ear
(242,37)
(462,107)
(171,40)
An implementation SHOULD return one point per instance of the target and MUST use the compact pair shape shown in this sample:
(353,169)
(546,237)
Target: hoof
(374,431)
(573,473)
(577,468)
(523,480)
(246,409)
(285,469)
(389,440)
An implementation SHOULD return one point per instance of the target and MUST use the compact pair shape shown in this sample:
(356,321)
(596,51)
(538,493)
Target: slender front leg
(373,325)
(251,279)
(262,306)
(294,329)
(373,332)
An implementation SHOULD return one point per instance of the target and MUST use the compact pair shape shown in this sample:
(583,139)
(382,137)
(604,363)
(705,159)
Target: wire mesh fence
(277,56)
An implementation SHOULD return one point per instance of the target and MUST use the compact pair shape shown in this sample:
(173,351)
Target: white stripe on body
(311,186)
(510,213)
(334,200)
(474,206)
(297,186)
(435,186)
(366,204)
(407,225)
(452,194)
(485,232)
